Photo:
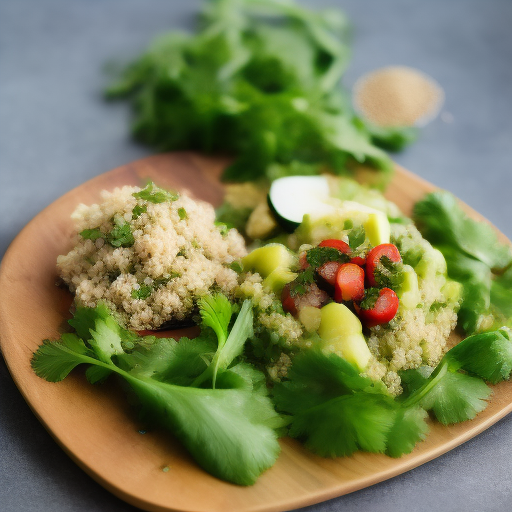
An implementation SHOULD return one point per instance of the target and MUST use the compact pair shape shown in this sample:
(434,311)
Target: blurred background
(57,131)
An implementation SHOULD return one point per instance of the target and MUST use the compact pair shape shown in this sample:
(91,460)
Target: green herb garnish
(138,210)
(154,194)
(317,256)
(143,292)
(228,429)
(259,79)
(182,213)
(92,234)
(121,234)
(474,257)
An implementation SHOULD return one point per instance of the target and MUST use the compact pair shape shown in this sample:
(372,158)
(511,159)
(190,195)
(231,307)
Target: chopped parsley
(143,292)
(156,195)
(182,213)
(317,256)
(356,237)
(121,234)
(138,210)
(92,234)
(388,273)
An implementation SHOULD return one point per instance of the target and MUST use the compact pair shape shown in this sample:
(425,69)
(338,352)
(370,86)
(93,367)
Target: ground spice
(398,96)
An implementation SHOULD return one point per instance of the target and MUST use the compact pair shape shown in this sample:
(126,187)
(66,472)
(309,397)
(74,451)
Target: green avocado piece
(377,229)
(276,280)
(341,332)
(266,259)
(409,293)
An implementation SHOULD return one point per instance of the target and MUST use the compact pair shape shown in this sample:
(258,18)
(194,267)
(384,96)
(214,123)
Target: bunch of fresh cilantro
(259,80)
(216,405)
(219,408)
(337,411)
(474,257)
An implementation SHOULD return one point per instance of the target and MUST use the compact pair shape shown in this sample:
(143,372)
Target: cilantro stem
(421,392)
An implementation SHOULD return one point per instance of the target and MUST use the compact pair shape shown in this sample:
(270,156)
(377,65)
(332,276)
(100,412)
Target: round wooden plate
(96,427)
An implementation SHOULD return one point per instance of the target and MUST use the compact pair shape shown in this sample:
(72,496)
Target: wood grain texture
(96,427)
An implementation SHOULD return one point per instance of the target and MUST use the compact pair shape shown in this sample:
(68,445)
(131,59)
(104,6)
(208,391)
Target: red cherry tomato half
(343,248)
(358,260)
(327,272)
(374,256)
(336,244)
(349,283)
(383,311)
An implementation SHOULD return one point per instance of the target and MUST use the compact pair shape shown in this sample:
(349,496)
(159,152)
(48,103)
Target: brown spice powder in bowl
(398,96)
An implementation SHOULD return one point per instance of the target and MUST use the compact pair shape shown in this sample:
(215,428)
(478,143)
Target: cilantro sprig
(260,79)
(474,257)
(337,411)
(228,429)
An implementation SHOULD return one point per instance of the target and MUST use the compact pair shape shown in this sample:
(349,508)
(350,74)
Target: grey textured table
(56,132)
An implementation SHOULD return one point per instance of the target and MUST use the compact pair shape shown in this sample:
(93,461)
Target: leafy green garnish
(228,430)
(182,213)
(121,234)
(260,80)
(388,273)
(356,237)
(92,234)
(156,195)
(317,256)
(337,411)
(143,292)
(474,257)
(138,210)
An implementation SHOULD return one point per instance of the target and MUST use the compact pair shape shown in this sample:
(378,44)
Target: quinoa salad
(322,311)
(149,255)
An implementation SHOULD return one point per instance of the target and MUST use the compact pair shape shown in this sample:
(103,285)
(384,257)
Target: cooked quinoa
(149,255)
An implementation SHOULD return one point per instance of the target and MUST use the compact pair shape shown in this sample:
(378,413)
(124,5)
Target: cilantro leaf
(443,222)
(336,411)
(142,293)
(488,355)
(474,257)
(259,80)
(229,430)
(408,429)
(356,237)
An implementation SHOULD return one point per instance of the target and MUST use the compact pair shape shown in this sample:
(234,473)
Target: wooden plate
(96,427)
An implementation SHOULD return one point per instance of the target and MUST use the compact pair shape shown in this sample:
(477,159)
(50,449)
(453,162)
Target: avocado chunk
(276,280)
(266,259)
(409,293)
(341,332)
(377,229)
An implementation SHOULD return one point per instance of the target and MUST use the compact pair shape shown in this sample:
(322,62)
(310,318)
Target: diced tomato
(374,256)
(336,244)
(313,296)
(327,272)
(358,260)
(343,248)
(383,311)
(349,283)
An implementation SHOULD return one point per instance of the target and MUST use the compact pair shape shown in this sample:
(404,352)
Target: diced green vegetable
(341,332)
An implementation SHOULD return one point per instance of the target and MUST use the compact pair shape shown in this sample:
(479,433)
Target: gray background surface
(56,132)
